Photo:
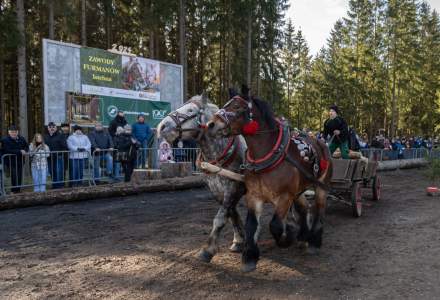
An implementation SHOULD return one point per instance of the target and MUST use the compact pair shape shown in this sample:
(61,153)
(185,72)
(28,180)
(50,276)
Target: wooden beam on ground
(99,192)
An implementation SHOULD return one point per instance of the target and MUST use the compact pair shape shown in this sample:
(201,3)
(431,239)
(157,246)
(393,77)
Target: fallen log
(98,192)
(213,169)
(390,165)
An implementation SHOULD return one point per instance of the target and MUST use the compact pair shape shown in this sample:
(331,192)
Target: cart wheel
(376,188)
(356,199)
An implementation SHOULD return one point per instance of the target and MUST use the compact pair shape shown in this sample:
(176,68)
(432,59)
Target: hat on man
(141,115)
(65,125)
(51,124)
(76,127)
(335,108)
(12,128)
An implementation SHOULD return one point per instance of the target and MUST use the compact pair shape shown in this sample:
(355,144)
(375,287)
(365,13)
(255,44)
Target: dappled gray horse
(186,123)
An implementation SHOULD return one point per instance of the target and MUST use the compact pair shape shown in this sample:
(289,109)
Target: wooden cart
(350,176)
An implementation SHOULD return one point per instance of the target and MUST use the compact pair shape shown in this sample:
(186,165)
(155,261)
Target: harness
(275,156)
(227,157)
(180,119)
(279,151)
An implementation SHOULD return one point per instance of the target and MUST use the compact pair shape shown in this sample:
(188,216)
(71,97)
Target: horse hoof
(248,267)
(205,256)
(303,245)
(312,251)
(236,248)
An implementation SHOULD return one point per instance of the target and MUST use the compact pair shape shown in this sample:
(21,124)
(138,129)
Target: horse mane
(266,112)
(198,98)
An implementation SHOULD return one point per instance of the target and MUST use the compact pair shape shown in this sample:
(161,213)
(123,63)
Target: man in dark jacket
(102,149)
(337,129)
(57,145)
(14,147)
(126,146)
(118,121)
(142,133)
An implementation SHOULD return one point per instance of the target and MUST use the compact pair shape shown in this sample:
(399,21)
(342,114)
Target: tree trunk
(51,20)
(182,47)
(21,62)
(108,22)
(2,99)
(151,43)
(83,23)
(249,52)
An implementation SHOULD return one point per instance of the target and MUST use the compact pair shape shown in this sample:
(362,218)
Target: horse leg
(237,225)
(315,238)
(251,252)
(211,249)
(302,208)
(283,233)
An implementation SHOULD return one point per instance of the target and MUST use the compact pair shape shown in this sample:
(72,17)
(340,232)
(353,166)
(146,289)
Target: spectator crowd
(65,153)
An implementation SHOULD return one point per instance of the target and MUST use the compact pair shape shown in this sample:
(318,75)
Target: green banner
(154,111)
(100,68)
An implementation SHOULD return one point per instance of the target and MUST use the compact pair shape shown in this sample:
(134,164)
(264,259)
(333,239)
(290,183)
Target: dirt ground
(145,247)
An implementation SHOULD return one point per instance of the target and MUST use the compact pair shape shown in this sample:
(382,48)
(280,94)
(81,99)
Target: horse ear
(232,93)
(245,90)
(204,98)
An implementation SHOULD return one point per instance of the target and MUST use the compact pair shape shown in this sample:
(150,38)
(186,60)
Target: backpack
(353,143)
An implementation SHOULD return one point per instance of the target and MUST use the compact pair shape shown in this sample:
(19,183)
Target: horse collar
(227,156)
(275,156)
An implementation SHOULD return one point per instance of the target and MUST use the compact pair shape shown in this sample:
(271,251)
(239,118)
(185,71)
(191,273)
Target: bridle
(226,115)
(180,118)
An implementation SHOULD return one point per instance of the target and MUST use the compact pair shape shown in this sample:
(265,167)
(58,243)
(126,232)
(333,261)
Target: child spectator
(165,152)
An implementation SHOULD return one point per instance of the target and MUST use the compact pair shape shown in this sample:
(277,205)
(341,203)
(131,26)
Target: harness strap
(306,174)
(271,152)
(226,158)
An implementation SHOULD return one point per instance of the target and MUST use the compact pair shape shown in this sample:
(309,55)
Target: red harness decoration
(225,154)
(323,164)
(271,152)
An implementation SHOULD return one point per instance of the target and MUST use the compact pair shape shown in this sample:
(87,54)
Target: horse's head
(236,116)
(187,122)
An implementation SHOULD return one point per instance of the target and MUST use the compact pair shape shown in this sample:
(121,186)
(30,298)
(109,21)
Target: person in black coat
(57,144)
(336,127)
(14,146)
(118,121)
(126,146)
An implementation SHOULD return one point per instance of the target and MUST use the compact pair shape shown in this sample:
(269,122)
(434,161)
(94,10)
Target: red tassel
(251,128)
(323,164)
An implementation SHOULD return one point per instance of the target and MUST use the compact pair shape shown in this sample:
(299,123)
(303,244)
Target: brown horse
(278,170)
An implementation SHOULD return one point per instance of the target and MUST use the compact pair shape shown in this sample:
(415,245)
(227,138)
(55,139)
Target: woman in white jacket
(79,146)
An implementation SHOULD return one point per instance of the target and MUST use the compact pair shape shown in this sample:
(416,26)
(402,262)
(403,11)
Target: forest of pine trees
(380,65)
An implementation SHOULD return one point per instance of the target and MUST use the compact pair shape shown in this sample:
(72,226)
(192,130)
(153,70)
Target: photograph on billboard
(83,109)
(141,74)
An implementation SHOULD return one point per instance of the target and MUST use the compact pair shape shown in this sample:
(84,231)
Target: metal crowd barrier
(151,158)
(97,167)
(64,168)
(385,154)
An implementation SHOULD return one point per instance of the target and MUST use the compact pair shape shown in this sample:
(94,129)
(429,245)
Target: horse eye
(190,110)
